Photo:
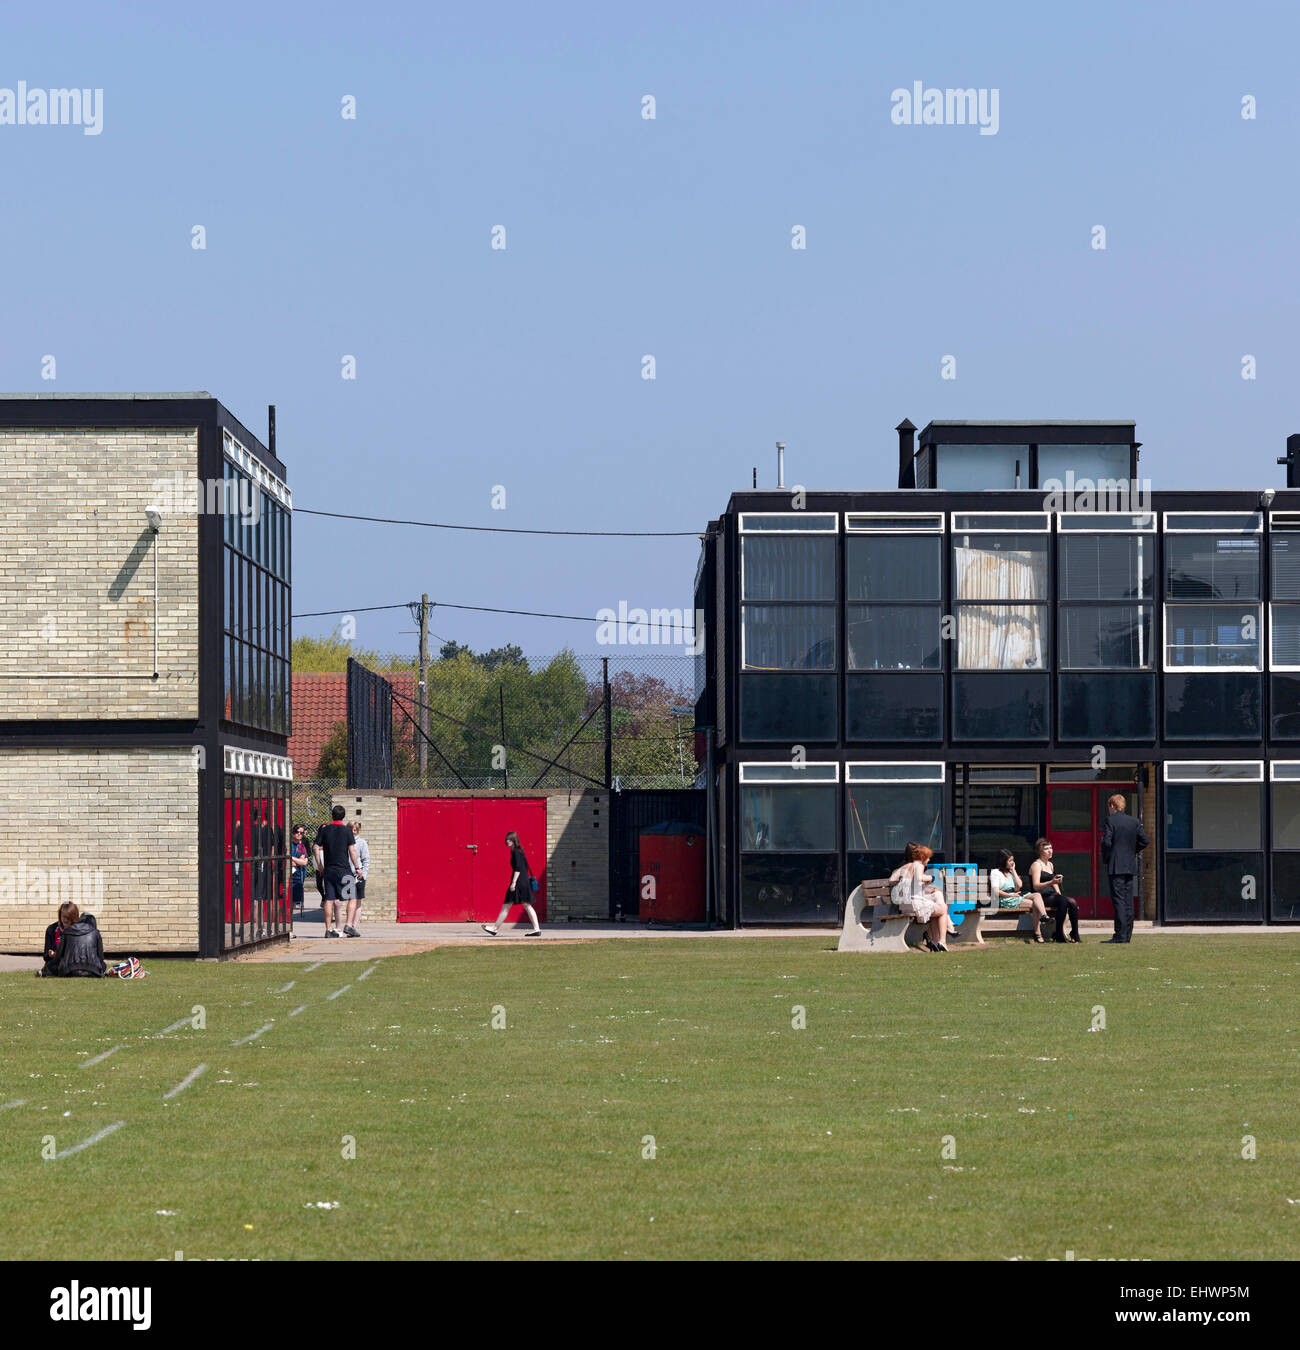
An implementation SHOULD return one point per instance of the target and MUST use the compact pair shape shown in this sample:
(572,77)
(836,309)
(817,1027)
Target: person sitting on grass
(920,897)
(1008,890)
(82,950)
(68,915)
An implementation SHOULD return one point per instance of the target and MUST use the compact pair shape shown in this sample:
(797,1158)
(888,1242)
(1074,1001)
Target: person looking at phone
(1044,880)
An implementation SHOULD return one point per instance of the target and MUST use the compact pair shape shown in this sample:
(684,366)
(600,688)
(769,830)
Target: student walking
(1122,839)
(519,892)
(336,858)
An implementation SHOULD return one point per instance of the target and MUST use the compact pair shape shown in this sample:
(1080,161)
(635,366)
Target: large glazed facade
(984,655)
(144,688)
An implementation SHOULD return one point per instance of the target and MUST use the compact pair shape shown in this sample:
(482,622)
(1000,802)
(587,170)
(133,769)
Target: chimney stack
(270,427)
(906,454)
(1292,461)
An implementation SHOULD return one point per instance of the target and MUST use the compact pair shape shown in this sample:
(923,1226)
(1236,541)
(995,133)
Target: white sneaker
(489,929)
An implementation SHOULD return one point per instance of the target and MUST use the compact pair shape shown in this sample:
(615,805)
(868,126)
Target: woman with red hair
(916,894)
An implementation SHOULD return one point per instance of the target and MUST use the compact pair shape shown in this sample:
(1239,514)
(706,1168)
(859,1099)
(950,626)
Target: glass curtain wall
(1214,858)
(789,843)
(256,858)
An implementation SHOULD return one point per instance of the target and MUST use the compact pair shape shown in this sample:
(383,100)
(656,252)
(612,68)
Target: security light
(154,516)
(1266,497)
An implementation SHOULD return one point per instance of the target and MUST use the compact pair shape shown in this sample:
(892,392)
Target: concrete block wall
(122,821)
(577,848)
(77,574)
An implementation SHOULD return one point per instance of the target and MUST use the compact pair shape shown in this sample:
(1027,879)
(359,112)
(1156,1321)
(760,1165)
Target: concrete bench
(874,923)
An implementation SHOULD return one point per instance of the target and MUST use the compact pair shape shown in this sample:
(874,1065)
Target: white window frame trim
(743,516)
(1167,669)
(1206,776)
(744,780)
(939,764)
(741,602)
(1103,516)
(1257,516)
(1273,765)
(1044,516)
(918,516)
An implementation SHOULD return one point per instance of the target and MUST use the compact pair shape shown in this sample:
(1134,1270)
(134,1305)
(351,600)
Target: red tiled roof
(318,702)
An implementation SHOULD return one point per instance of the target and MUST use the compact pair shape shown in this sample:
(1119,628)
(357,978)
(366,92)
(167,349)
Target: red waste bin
(673,859)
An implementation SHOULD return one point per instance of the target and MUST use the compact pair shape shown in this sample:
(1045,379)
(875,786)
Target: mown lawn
(951,1106)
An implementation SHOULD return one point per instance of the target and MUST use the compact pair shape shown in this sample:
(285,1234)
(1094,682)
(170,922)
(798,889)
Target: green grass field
(768,1140)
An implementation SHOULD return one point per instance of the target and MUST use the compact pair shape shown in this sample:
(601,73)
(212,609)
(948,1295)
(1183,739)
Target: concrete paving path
(377,940)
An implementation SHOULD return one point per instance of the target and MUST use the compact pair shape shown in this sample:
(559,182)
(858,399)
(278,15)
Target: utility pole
(424,689)
(609,730)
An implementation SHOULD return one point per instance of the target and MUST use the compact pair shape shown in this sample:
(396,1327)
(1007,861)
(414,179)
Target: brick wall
(77,568)
(130,816)
(577,848)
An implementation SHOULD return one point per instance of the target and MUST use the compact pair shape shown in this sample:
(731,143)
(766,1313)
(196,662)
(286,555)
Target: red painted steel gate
(452,862)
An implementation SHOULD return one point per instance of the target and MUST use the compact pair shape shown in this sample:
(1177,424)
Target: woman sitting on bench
(1008,891)
(1047,883)
(918,896)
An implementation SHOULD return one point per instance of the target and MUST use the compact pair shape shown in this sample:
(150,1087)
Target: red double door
(1076,816)
(452,863)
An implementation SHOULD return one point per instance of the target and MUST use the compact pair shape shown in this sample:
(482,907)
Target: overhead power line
(446,604)
(503,529)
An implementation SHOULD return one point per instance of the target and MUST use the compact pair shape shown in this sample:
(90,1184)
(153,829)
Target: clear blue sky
(670,237)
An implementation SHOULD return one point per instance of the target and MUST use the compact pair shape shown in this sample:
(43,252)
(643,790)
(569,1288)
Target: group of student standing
(1122,839)
(342,859)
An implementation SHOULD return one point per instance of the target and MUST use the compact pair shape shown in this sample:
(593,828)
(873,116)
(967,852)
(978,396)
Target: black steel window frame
(1146,605)
(932,603)
(255,860)
(1171,604)
(1043,602)
(831,605)
(256,638)
(1262,848)
(1279,854)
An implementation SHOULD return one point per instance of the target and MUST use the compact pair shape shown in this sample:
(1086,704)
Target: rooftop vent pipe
(780,464)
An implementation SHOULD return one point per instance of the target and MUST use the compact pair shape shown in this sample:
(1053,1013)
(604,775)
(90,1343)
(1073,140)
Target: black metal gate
(630,813)
(370,728)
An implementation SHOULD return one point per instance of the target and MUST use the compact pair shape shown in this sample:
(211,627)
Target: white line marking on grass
(313,966)
(94,1059)
(296,1011)
(185,1082)
(175,1026)
(9,1106)
(252,1036)
(287,987)
(94,1139)
(369,970)
(337,992)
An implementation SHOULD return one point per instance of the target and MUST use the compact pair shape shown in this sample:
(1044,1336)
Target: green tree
(333,762)
(316,656)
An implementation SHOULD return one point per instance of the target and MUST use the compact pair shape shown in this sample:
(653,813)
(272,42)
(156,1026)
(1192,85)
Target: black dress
(523,891)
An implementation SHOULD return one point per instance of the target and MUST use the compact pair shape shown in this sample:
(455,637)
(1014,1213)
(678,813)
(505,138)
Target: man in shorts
(336,861)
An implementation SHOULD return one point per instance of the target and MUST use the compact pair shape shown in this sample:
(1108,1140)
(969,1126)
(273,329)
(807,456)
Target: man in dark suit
(1121,842)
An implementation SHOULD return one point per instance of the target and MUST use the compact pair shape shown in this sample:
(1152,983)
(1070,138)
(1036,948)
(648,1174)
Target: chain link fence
(501,719)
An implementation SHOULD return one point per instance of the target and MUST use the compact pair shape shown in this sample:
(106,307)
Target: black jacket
(1121,841)
(53,943)
(82,949)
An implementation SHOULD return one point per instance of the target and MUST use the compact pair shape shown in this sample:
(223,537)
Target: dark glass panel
(1212,707)
(789,637)
(1285,714)
(788,708)
(1201,886)
(790,888)
(894,707)
(1002,707)
(894,637)
(1101,637)
(882,817)
(1212,816)
(788,567)
(1285,907)
(1211,567)
(785,817)
(1286,815)
(893,567)
(1100,707)
(1107,566)
(1285,627)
